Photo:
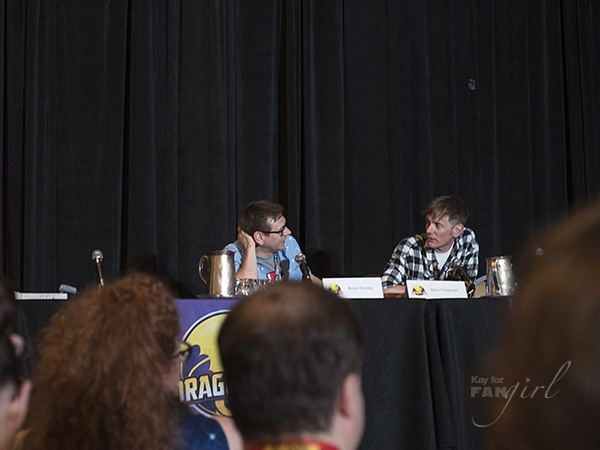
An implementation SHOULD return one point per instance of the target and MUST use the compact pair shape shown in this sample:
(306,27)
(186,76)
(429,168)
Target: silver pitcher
(500,276)
(219,268)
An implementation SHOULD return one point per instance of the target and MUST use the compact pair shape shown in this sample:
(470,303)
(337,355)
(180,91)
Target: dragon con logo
(335,288)
(418,290)
(202,385)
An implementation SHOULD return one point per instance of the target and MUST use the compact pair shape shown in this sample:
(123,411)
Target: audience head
(450,206)
(107,375)
(292,360)
(14,392)
(257,215)
(8,306)
(554,335)
(8,315)
(10,376)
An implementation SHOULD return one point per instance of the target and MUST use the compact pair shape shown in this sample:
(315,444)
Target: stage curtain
(143,128)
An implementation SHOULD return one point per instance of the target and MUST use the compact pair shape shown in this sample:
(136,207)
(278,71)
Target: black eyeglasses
(184,351)
(279,232)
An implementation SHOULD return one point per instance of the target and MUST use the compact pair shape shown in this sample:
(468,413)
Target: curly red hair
(99,382)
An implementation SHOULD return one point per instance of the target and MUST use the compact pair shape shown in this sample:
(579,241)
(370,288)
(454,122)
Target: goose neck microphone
(97,257)
(301,260)
(464,276)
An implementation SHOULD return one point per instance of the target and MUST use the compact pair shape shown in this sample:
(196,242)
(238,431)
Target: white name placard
(435,289)
(40,296)
(355,287)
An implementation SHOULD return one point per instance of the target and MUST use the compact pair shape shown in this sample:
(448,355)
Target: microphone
(463,275)
(301,260)
(97,257)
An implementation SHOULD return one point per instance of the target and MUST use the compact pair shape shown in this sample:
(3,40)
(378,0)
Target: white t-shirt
(442,257)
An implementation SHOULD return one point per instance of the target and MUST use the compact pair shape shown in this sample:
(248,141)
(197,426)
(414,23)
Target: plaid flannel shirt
(413,260)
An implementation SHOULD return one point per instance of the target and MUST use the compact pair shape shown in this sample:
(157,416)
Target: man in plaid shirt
(434,255)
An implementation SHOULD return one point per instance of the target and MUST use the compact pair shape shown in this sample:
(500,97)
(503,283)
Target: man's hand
(395,291)
(245,239)
(248,268)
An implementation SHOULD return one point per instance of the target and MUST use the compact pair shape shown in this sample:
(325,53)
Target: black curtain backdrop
(143,128)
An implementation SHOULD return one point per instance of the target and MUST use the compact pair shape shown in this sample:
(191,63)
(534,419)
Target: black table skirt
(419,358)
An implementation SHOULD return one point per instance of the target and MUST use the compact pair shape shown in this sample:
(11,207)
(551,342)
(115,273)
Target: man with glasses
(265,248)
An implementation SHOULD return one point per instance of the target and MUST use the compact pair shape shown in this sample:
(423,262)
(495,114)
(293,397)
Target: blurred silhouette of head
(554,335)
(14,391)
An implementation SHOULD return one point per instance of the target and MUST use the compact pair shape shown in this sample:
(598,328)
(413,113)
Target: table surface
(419,358)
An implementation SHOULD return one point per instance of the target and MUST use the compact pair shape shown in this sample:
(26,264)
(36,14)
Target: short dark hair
(10,365)
(257,215)
(450,206)
(10,373)
(8,306)
(286,352)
